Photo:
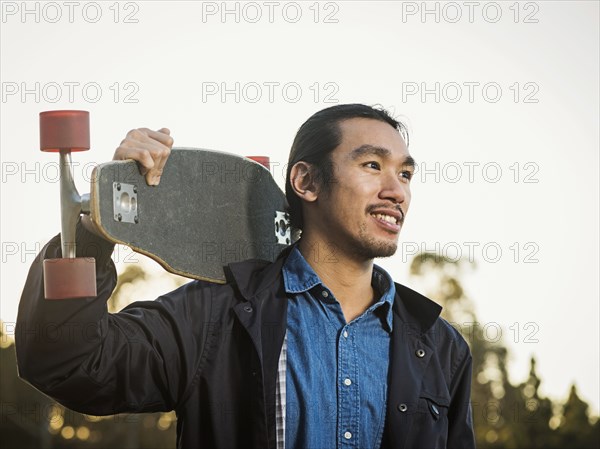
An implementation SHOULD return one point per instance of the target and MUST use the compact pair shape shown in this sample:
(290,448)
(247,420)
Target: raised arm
(141,359)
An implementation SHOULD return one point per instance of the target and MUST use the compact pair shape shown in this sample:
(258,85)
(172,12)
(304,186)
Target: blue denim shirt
(337,373)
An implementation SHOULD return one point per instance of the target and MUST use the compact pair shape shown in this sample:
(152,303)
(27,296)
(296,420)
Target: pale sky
(501,99)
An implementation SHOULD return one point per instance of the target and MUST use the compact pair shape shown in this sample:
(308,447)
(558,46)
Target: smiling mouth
(386,218)
(387,214)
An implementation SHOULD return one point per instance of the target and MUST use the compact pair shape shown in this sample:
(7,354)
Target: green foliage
(505,416)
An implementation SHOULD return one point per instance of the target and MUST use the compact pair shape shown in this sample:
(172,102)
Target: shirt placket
(348,390)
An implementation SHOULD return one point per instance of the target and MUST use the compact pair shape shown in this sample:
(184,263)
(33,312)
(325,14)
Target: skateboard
(210,209)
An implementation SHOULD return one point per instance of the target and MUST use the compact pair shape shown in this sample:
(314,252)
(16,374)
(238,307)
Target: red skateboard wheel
(64,130)
(263,160)
(70,278)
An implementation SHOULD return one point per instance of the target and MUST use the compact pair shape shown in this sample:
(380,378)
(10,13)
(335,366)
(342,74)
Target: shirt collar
(299,277)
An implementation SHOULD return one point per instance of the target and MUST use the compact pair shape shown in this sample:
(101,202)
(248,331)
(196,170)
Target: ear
(303,182)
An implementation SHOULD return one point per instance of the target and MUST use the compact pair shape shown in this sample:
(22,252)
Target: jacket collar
(414,309)
(253,276)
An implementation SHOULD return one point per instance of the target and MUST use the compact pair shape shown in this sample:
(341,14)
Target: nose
(394,189)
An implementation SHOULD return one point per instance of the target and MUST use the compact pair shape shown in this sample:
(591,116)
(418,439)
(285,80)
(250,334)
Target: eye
(407,175)
(373,164)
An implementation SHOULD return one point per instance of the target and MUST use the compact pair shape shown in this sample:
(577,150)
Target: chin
(374,249)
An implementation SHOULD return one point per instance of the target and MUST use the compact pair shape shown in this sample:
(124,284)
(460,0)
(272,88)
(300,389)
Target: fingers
(149,148)
(162,136)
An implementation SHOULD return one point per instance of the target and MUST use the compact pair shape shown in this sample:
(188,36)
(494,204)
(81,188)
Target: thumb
(165,131)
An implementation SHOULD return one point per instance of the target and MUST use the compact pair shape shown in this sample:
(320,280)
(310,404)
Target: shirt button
(347,435)
(420,353)
(325,294)
(347,382)
(345,334)
(402,407)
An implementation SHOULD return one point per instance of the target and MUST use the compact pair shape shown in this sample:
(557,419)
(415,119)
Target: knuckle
(123,149)
(136,134)
(146,155)
(125,144)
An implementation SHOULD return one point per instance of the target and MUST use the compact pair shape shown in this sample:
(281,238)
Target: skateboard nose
(263,160)
(64,130)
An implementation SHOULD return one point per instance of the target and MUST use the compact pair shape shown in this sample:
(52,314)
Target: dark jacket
(210,352)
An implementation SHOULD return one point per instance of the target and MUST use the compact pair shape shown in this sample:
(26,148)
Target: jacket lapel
(264,316)
(414,314)
(263,313)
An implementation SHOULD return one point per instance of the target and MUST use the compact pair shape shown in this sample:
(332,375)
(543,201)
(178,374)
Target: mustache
(397,207)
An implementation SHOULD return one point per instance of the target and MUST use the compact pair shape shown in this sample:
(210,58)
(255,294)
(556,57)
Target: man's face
(364,209)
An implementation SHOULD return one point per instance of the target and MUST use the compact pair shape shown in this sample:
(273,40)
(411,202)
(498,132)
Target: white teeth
(387,218)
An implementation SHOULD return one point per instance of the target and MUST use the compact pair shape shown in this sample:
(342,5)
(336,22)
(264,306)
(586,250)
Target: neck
(347,276)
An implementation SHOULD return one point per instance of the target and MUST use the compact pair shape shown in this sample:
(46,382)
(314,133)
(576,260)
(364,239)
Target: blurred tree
(505,416)
(29,419)
(23,408)
(132,274)
(531,415)
(573,431)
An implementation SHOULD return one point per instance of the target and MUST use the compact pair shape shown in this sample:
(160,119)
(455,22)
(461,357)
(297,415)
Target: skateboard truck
(70,276)
(282,228)
(282,219)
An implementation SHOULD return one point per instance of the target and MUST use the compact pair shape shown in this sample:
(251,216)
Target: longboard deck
(210,209)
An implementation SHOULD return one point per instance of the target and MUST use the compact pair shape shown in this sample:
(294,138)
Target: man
(319,349)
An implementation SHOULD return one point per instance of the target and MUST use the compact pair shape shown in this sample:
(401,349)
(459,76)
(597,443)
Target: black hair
(315,141)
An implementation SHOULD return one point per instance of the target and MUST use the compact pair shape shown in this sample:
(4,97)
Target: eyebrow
(378,151)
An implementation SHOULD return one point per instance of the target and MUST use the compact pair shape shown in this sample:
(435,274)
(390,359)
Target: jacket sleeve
(141,359)
(460,418)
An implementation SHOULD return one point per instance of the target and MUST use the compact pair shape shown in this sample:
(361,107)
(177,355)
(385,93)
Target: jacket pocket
(429,427)
(436,418)
(436,406)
